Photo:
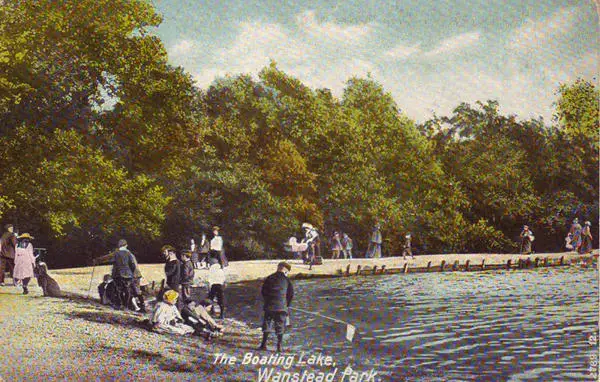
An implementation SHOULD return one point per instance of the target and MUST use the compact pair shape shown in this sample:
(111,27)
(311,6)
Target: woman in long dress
(374,249)
(24,261)
(586,239)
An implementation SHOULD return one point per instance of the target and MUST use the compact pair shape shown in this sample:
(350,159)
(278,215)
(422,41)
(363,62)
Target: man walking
(124,267)
(277,292)
(8,245)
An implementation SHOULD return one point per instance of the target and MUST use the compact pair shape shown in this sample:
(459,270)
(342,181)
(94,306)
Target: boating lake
(526,325)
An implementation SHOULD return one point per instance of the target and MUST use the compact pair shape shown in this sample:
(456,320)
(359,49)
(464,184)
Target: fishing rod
(350,329)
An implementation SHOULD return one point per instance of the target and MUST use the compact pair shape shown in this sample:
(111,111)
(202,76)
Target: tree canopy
(102,138)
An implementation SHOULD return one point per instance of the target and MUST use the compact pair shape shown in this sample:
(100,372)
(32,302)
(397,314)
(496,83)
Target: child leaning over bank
(216,284)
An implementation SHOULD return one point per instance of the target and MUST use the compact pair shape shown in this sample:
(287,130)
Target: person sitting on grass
(198,317)
(107,291)
(166,318)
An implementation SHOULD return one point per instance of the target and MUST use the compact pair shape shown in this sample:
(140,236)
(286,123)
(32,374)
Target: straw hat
(25,236)
(307,226)
(171,296)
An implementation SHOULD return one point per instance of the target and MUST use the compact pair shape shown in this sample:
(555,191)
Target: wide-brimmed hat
(25,236)
(170,296)
(588,223)
(186,252)
(307,226)
(216,228)
(122,243)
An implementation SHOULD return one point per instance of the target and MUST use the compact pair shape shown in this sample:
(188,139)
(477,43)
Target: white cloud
(455,44)
(181,48)
(307,23)
(320,54)
(533,33)
(402,52)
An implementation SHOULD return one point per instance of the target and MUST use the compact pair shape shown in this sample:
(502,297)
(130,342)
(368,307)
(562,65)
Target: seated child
(107,291)
(196,316)
(166,318)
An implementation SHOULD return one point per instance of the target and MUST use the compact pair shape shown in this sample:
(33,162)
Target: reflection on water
(497,326)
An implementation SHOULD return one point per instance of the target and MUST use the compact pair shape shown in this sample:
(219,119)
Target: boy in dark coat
(277,292)
(187,275)
(172,268)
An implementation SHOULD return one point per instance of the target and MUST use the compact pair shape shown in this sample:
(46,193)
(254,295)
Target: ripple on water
(492,326)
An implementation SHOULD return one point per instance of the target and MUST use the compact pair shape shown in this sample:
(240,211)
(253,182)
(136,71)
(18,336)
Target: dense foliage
(102,138)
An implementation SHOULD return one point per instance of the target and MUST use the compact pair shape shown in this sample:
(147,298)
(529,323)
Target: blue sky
(431,55)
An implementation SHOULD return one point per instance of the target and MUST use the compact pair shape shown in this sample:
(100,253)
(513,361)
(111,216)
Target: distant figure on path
(8,246)
(407,250)
(123,271)
(575,231)
(311,238)
(277,292)
(216,248)
(347,246)
(526,240)
(374,249)
(24,261)
(586,239)
(195,255)
(167,319)
(336,245)
(204,250)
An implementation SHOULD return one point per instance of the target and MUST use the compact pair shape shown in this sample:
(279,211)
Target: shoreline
(69,279)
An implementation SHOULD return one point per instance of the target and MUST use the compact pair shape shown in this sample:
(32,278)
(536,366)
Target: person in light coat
(166,318)
(24,261)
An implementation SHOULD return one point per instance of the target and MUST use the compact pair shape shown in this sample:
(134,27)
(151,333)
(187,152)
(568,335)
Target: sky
(431,55)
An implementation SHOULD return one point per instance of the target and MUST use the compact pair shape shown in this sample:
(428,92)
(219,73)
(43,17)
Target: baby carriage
(299,250)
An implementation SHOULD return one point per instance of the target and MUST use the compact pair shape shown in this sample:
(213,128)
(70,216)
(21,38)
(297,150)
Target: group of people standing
(579,238)
(16,256)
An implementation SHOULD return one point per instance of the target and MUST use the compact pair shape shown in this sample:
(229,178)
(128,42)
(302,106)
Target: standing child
(187,275)
(24,261)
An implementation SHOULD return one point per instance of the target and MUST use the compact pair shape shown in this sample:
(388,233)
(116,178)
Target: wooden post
(348,270)
(442,265)
(482,264)
(405,268)
(508,264)
(383,269)
(358,270)
(428,266)
(467,265)
(375,269)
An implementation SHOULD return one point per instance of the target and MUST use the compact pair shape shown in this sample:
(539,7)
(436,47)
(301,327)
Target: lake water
(530,325)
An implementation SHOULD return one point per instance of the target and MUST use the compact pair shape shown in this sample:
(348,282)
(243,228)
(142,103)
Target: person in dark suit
(277,292)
